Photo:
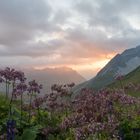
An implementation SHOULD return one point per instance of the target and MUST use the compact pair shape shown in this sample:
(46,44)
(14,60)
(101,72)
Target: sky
(81,34)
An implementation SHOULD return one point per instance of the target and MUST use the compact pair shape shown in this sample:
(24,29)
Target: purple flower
(19,89)
(34,87)
(119,77)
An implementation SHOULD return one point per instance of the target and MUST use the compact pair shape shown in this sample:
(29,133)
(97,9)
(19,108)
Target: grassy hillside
(131,79)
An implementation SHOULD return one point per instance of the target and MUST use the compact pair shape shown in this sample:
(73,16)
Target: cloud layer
(81,34)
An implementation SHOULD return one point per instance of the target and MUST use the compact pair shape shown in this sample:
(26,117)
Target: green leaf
(29,134)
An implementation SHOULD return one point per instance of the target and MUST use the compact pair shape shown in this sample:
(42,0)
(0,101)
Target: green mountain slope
(133,78)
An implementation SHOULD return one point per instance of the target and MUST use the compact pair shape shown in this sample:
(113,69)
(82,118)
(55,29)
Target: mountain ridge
(121,64)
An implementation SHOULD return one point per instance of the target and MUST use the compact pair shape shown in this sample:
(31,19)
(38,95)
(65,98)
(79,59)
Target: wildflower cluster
(60,97)
(15,88)
(105,114)
(96,113)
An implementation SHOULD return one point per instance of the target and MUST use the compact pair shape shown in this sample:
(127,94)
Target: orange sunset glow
(92,66)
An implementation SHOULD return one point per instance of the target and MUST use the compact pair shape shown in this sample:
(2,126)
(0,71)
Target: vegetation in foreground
(103,115)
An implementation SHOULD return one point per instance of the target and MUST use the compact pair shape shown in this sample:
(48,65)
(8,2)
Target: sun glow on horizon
(92,67)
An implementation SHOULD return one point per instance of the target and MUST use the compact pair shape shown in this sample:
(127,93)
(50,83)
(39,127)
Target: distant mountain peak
(56,75)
